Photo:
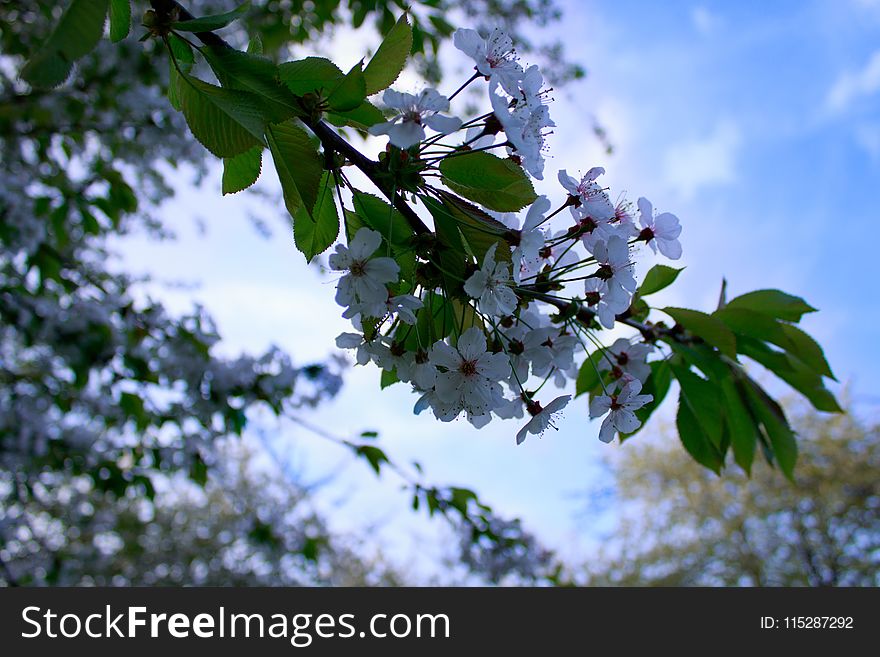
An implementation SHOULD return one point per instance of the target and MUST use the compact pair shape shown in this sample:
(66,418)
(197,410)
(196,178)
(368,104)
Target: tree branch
(586,316)
(330,139)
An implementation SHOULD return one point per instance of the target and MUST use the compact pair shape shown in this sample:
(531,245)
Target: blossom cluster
(511,338)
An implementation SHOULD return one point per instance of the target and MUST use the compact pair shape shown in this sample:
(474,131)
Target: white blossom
(620,407)
(491,285)
(548,349)
(615,268)
(417,369)
(542,417)
(494,57)
(366,351)
(416,112)
(524,128)
(594,201)
(362,290)
(605,305)
(661,231)
(627,360)
(404,306)
(527,254)
(471,376)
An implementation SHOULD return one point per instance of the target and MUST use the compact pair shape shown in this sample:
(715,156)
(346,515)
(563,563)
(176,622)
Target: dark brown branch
(330,139)
(586,316)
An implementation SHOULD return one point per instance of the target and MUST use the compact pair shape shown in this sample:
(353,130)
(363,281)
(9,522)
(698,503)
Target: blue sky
(757,123)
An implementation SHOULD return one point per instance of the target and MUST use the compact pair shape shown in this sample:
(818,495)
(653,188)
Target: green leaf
(350,92)
(807,350)
(298,164)
(388,378)
(375,213)
(389,60)
(133,406)
(703,357)
(701,397)
(211,23)
(740,425)
(657,386)
(255,45)
(435,320)
(792,371)
(78,31)
(658,278)
(258,75)
(383,217)
(182,54)
(460,498)
(774,303)
(374,456)
(782,334)
(198,470)
(496,183)
(315,231)
(120,19)
(479,230)
(695,440)
(451,255)
(710,329)
(242,171)
(360,118)
(589,377)
(776,427)
(309,75)
(466,316)
(225,121)
(753,324)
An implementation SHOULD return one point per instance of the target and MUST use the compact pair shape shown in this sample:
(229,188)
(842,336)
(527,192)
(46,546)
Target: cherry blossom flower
(627,360)
(542,417)
(531,88)
(593,229)
(490,284)
(593,199)
(418,369)
(495,57)
(605,305)
(443,410)
(470,379)
(526,256)
(403,306)
(549,348)
(619,407)
(408,127)
(660,232)
(615,267)
(367,351)
(363,289)
(524,127)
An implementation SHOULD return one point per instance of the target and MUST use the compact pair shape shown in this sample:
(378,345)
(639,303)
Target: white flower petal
(472,344)
(625,421)
(670,248)
(406,134)
(442,123)
(606,433)
(600,405)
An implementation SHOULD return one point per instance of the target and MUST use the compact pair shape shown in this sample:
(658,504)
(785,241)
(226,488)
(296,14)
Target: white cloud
(867,136)
(850,86)
(704,20)
(710,160)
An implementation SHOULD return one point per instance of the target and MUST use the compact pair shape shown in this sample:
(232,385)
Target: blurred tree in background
(683,526)
(249,525)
